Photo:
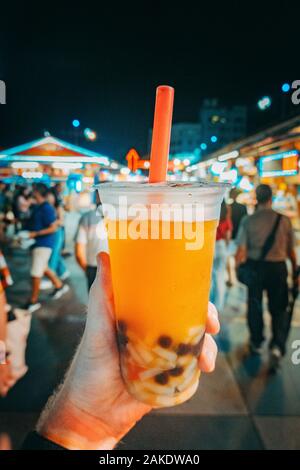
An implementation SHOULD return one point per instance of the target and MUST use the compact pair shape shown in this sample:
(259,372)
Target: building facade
(222,124)
(185,138)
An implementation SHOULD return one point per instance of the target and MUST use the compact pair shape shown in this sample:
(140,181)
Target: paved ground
(239,406)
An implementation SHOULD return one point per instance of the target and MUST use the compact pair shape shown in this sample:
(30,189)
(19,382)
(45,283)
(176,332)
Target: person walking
(6,378)
(265,241)
(56,262)
(218,285)
(237,212)
(42,225)
(89,242)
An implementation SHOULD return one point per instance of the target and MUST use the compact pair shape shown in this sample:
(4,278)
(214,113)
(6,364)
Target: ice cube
(188,392)
(135,355)
(189,380)
(158,389)
(163,401)
(149,373)
(165,354)
(144,353)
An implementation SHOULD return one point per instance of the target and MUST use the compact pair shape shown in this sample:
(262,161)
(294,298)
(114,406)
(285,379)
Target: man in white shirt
(89,241)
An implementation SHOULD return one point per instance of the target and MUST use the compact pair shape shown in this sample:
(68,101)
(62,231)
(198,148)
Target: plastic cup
(161,281)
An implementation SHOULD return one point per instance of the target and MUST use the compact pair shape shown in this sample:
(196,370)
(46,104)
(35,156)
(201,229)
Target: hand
(93,409)
(6,379)
(5,443)
(32,234)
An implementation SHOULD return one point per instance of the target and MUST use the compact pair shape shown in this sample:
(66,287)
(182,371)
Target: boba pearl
(164,341)
(122,326)
(176,371)
(162,378)
(183,349)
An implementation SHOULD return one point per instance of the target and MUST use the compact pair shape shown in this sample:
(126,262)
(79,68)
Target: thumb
(5,442)
(104,274)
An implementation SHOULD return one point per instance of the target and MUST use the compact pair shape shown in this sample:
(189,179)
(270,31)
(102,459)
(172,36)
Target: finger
(212,324)
(4,390)
(5,442)
(207,359)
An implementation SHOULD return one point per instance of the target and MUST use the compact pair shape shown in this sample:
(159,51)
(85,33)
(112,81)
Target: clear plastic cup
(161,240)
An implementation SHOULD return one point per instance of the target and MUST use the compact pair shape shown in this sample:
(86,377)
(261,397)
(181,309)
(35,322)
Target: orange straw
(161,134)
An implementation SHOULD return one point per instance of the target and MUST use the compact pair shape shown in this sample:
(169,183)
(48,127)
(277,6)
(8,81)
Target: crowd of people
(33,218)
(260,244)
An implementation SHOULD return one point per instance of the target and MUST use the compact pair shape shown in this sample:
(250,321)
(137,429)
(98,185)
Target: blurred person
(5,442)
(88,242)
(92,410)
(5,369)
(56,262)
(21,206)
(58,190)
(237,212)
(2,196)
(223,236)
(265,241)
(42,225)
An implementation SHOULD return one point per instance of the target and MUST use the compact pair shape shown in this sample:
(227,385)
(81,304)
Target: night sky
(102,64)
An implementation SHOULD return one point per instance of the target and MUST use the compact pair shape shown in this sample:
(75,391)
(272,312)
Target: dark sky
(102,64)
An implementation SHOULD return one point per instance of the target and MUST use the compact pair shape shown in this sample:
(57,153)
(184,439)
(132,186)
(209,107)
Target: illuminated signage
(279,164)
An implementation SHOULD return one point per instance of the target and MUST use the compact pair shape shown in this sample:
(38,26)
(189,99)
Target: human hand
(93,409)
(32,235)
(6,379)
(5,443)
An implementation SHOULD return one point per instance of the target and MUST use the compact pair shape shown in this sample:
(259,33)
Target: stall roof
(51,149)
(285,132)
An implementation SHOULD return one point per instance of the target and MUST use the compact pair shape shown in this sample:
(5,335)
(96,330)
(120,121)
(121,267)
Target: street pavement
(239,406)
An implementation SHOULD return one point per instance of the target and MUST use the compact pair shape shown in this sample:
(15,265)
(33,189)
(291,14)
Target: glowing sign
(279,164)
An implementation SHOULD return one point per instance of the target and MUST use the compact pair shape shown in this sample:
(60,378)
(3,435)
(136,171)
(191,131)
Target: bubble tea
(161,244)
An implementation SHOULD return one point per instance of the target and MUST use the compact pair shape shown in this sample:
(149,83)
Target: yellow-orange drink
(161,279)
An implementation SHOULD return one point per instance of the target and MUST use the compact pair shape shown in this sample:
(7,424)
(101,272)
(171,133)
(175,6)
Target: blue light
(285,87)
(203,146)
(214,139)
(75,123)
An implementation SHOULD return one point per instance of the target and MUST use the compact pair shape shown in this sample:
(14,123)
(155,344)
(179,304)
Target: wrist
(68,426)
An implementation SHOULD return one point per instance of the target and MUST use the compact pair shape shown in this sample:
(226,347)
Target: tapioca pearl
(122,326)
(165,341)
(176,372)
(162,378)
(122,340)
(196,349)
(183,349)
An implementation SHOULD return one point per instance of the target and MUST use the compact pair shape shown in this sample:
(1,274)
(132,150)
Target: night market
(149,232)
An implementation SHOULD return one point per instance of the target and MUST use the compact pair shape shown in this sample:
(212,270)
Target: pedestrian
(5,368)
(237,212)
(89,242)
(56,262)
(265,241)
(42,225)
(21,206)
(223,236)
